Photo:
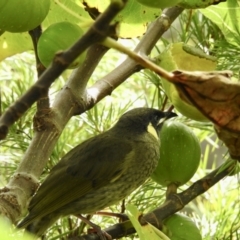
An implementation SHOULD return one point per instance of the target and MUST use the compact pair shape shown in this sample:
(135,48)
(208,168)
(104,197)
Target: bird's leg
(121,216)
(103,235)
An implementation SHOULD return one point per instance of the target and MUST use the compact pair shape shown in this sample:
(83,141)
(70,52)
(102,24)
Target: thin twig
(115,78)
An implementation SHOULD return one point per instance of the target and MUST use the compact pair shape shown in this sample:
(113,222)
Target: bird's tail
(39,226)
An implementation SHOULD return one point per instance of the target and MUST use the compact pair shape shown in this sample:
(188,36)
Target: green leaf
(7,232)
(133,18)
(13,43)
(147,231)
(67,10)
(227,17)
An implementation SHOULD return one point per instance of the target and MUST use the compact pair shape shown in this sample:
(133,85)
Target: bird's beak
(167,115)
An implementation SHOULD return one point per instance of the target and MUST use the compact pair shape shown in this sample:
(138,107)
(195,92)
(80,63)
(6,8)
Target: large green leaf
(12,43)
(227,17)
(133,18)
(67,10)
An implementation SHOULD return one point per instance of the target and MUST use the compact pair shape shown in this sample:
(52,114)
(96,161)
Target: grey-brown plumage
(100,171)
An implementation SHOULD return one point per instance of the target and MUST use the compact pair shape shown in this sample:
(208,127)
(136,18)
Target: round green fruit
(22,16)
(159,3)
(182,106)
(175,57)
(57,37)
(180,154)
(181,227)
(193,4)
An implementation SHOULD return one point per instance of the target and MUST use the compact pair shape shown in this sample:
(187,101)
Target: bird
(99,172)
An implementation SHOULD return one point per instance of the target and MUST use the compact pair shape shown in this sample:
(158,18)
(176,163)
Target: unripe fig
(22,16)
(181,227)
(57,37)
(180,154)
(192,4)
(159,3)
(175,58)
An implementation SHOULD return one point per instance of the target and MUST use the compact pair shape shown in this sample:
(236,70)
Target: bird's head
(140,120)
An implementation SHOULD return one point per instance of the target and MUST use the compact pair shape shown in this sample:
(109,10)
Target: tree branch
(43,102)
(50,123)
(115,78)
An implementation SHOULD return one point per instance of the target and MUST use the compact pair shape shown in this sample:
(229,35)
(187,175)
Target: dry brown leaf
(218,98)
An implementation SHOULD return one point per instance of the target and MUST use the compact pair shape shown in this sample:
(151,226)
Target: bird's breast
(141,163)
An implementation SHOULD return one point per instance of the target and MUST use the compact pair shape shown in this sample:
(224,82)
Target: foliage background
(217,211)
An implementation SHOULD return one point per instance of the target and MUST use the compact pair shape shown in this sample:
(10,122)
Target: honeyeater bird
(100,171)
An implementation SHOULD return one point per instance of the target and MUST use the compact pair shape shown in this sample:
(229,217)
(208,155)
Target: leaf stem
(111,43)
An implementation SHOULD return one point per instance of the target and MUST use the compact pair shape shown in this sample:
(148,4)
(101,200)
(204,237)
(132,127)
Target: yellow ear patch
(152,130)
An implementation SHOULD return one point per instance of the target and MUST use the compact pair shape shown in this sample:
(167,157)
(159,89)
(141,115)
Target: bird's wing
(89,166)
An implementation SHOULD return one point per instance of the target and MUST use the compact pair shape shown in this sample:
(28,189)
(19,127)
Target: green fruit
(22,16)
(180,154)
(57,37)
(159,3)
(182,106)
(180,227)
(173,58)
(192,4)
